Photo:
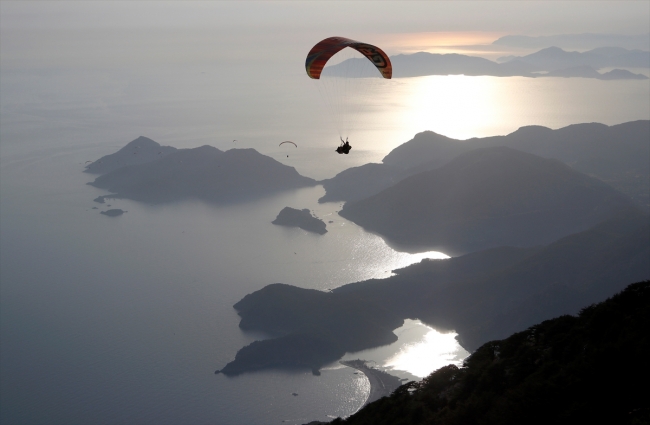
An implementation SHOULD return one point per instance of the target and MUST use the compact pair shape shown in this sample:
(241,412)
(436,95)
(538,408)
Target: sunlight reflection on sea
(432,352)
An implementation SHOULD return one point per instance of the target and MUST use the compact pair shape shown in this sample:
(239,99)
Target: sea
(123,320)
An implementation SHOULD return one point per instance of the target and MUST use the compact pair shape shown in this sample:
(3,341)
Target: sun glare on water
(453,105)
(434,351)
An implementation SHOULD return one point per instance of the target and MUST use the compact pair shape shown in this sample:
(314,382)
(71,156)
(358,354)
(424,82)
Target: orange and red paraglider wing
(325,49)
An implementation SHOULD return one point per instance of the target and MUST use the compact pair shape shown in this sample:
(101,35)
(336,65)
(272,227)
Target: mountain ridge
(616,154)
(484,198)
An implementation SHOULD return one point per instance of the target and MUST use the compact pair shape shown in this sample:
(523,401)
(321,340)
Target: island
(138,151)
(312,328)
(113,212)
(204,173)
(303,219)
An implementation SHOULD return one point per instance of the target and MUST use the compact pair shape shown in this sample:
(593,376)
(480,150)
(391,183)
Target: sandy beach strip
(382,384)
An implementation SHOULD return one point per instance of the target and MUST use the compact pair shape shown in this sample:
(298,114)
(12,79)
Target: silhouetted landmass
(423,63)
(483,296)
(588,72)
(360,182)
(204,173)
(487,198)
(576,41)
(621,74)
(555,59)
(592,368)
(113,212)
(139,151)
(300,218)
(615,154)
(490,294)
(317,328)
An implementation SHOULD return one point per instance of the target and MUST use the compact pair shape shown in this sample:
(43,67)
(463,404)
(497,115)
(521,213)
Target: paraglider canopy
(325,49)
(288,142)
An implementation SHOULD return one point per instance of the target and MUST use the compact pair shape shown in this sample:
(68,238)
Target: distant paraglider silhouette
(288,141)
(344,147)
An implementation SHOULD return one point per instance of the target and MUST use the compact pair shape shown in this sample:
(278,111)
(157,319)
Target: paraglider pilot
(344,147)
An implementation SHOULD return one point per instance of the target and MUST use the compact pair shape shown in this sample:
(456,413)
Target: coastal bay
(382,384)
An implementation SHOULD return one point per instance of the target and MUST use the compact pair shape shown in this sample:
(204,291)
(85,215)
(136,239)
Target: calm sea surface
(124,320)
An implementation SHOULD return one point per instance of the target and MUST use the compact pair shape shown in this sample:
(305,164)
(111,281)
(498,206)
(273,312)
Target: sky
(169,54)
(108,34)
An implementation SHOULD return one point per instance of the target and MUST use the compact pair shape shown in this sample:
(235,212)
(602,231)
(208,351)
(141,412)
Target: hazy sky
(103,34)
(529,17)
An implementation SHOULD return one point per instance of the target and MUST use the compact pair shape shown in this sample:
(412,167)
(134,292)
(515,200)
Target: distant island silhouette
(204,173)
(555,58)
(583,41)
(483,296)
(566,64)
(138,151)
(300,218)
(113,212)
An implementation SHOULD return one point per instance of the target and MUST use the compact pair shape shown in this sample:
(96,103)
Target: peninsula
(484,296)
(558,371)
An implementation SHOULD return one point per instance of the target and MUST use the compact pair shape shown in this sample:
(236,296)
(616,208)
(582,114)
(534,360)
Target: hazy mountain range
(617,155)
(572,64)
(485,198)
(576,41)
(554,59)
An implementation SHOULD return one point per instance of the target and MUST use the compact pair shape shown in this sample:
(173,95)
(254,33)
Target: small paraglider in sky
(288,141)
(87,162)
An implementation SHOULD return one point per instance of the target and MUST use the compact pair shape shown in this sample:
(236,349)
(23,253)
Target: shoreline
(382,384)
